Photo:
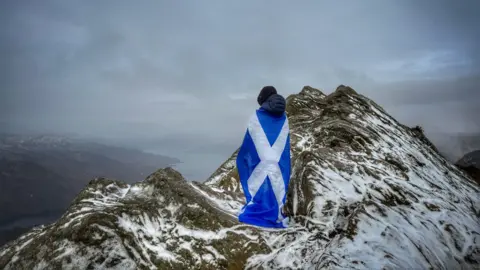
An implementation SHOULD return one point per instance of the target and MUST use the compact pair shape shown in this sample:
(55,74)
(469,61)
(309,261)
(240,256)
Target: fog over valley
(181,78)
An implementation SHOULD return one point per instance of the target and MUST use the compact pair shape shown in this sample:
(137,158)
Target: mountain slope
(366,193)
(152,223)
(73,148)
(359,174)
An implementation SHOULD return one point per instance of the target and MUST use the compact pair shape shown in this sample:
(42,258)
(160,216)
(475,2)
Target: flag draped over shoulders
(263,164)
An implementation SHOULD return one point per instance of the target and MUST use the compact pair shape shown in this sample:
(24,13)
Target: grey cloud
(150,70)
(454,110)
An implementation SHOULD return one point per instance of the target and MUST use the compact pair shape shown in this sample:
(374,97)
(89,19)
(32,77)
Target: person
(263,162)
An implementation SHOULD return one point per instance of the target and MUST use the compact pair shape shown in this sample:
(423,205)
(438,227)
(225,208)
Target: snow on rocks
(162,222)
(366,193)
(372,192)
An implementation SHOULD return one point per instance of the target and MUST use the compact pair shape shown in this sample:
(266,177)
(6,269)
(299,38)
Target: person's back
(263,162)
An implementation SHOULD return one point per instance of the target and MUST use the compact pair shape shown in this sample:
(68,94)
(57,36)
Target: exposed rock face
(366,193)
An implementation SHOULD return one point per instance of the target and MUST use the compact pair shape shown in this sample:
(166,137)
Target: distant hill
(471,164)
(41,175)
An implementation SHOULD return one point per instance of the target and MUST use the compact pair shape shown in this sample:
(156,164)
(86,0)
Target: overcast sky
(181,77)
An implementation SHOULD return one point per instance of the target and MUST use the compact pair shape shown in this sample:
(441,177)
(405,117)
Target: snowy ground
(366,193)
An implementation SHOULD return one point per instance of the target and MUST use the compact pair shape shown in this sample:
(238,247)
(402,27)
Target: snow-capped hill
(378,192)
(366,193)
(163,222)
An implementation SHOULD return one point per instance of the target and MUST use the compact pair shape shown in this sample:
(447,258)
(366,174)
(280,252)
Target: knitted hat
(266,92)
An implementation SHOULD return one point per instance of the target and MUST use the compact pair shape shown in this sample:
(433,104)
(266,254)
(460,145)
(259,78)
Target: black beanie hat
(265,93)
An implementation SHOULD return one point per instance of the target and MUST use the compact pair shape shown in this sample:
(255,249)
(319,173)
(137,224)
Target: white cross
(269,158)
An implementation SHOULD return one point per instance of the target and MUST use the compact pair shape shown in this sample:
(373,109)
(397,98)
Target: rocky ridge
(366,193)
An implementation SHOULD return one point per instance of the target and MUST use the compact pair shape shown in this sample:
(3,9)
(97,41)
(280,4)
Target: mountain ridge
(366,193)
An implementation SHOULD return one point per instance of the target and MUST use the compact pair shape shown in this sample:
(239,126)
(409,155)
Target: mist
(181,78)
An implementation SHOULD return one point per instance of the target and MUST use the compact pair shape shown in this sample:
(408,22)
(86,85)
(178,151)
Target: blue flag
(263,164)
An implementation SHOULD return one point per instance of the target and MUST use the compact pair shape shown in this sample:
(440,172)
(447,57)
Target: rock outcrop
(366,193)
